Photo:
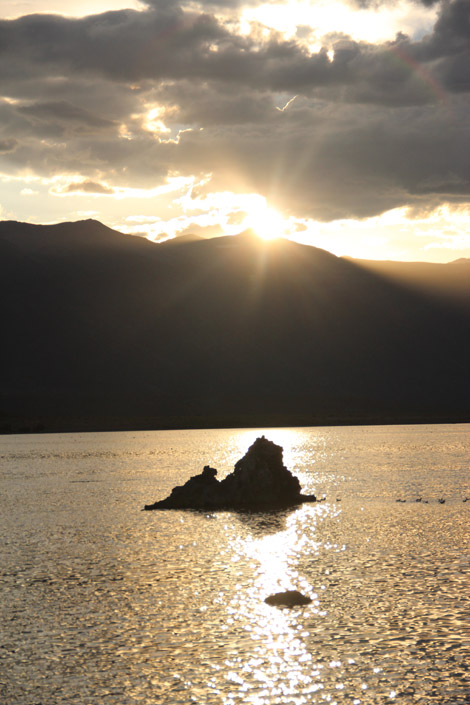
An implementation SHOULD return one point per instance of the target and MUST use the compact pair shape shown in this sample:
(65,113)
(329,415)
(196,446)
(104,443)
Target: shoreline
(15,425)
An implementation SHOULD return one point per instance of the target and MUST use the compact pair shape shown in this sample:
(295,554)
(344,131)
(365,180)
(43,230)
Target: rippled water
(104,603)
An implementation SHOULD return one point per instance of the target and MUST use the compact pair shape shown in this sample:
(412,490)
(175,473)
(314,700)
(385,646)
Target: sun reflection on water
(280,666)
(276,555)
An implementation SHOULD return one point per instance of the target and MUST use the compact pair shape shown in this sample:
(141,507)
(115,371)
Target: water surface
(104,603)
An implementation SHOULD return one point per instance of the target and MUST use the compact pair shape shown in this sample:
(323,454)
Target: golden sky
(339,124)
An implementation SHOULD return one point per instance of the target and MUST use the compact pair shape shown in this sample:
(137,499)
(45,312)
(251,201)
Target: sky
(342,124)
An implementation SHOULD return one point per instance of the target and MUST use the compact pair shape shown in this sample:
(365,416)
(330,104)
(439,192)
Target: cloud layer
(127,98)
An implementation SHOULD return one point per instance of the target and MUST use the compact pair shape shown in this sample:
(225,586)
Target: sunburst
(266,222)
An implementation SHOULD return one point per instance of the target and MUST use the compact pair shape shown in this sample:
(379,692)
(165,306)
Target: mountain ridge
(105,330)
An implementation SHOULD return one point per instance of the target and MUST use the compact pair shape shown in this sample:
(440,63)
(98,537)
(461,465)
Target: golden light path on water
(281,667)
(282,664)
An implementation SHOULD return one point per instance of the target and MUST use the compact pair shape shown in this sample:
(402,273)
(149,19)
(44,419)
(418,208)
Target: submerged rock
(260,481)
(289,598)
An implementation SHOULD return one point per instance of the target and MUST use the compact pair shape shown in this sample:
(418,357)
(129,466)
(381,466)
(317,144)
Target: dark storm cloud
(204,4)
(376,127)
(8,144)
(376,4)
(175,45)
(63,118)
(122,46)
(449,47)
(212,105)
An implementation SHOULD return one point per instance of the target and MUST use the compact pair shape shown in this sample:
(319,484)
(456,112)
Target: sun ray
(266,222)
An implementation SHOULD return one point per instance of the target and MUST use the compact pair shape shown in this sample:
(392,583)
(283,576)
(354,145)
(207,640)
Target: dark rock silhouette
(260,481)
(289,598)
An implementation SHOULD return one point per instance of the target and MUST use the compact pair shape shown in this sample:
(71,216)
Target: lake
(104,603)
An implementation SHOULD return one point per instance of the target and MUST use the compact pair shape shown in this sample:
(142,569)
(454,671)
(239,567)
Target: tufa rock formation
(259,482)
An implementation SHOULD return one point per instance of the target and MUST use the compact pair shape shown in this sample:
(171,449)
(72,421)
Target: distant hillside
(104,330)
(451,281)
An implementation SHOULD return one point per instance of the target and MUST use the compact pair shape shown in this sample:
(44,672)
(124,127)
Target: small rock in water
(289,598)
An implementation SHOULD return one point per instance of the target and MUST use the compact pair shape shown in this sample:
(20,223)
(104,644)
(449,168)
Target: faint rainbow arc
(422,73)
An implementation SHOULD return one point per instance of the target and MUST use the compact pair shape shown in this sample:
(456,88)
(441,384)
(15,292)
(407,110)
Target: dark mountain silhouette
(104,330)
(451,281)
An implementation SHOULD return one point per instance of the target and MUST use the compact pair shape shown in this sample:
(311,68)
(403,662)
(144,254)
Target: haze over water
(104,603)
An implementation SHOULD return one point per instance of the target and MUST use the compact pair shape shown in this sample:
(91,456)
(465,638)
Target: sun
(266,222)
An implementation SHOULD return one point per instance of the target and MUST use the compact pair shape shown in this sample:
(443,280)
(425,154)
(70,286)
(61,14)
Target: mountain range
(103,330)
